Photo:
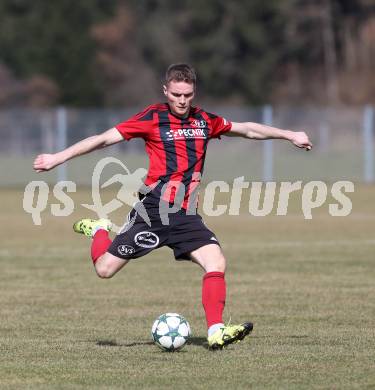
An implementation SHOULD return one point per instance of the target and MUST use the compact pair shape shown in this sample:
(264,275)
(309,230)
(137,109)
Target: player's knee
(216,265)
(104,271)
(220,265)
(104,275)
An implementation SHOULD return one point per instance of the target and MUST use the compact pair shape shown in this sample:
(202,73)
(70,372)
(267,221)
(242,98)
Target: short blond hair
(181,72)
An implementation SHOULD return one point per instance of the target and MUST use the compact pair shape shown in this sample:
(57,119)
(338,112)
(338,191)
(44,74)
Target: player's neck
(184,116)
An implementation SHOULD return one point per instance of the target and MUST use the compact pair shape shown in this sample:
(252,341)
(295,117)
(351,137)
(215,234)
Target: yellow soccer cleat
(229,334)
(89,227)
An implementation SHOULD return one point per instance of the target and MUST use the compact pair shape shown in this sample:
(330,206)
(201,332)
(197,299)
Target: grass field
(308,286)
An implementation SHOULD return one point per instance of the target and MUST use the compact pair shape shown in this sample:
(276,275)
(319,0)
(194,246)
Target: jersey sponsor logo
(186,134)
(125,250)
(198,123)
(146,239)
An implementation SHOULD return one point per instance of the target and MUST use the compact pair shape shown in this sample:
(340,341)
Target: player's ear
(165,90)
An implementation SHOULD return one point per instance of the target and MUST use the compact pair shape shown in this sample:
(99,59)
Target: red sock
(100,244)
(213,297)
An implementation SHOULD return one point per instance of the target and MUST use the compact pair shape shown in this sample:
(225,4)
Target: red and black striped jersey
(176,148)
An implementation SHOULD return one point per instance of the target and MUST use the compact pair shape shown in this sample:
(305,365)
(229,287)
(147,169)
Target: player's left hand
(301,140)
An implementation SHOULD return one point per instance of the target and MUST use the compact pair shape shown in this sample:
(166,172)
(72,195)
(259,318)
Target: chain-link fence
(343,145)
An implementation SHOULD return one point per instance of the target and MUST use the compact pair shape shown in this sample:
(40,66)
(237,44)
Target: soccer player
(176,135)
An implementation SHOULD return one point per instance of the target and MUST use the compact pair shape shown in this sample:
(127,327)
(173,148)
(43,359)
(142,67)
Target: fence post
(47,141)
(368,144)
(267,118)
(61,140)
(323,137)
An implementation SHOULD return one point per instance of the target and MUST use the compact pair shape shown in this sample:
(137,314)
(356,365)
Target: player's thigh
(210,257)
(108,265)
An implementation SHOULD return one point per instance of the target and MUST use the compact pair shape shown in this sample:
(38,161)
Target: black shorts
(184,234)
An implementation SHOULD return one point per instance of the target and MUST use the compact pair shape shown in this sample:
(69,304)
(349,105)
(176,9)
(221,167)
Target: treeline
(114,52)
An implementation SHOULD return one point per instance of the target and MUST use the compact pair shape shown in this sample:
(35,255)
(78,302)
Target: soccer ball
(170,332)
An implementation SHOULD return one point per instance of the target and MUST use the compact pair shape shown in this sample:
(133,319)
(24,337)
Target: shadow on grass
(200,341)
(113,343)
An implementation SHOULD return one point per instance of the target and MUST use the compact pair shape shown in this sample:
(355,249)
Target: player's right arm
(46,162)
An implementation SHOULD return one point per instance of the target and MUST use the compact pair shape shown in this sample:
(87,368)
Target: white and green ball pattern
(170,331)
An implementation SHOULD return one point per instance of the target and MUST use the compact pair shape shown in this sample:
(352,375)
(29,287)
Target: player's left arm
(258,131)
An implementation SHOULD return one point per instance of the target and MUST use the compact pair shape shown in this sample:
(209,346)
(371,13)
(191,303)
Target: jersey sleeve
(137,126)
(219,126)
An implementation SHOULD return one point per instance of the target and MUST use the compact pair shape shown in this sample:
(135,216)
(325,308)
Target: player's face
(180,96)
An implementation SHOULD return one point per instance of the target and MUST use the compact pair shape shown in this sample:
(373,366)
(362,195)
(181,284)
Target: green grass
(308,286)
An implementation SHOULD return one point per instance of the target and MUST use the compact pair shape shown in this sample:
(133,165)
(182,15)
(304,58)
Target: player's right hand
(45,162)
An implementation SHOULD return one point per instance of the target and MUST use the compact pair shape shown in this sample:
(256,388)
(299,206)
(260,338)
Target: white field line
(5,252)
(53,252)
(46,252)
(298,243)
